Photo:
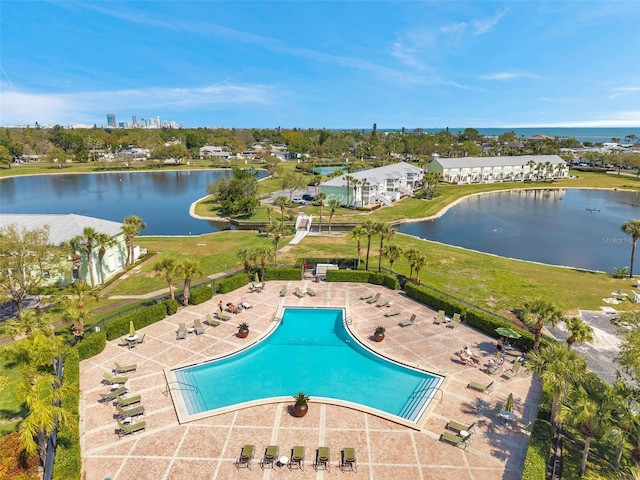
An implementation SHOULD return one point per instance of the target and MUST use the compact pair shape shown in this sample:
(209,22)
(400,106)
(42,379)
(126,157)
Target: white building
(499,169)
(209,151)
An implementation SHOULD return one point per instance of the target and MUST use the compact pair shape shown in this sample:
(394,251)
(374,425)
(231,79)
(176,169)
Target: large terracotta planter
(242,333)
(300,410)
(378,337)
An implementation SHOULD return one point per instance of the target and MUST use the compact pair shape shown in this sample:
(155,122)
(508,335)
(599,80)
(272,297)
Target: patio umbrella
(509,406)
(507,332)
(256,278)
(132,330)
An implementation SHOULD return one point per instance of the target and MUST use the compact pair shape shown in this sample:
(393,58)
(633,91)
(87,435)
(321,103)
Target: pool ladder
(192,388)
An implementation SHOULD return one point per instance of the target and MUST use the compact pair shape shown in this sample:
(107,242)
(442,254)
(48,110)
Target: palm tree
(188,268)
(320,198)
(537,313)
(28,322)
(262,255)
(281,202)
(358,234)
(78,318)
(73,246)
(632,227)
(349,179)
(104,242)
(370,229)
(278,230)
(244,255)
(558,368)
(419,261)
(80,290)
(579,331)
(332,204)
(392,252)
(88,242)
(622,423)
(131,226)
(167,267)
(386,232)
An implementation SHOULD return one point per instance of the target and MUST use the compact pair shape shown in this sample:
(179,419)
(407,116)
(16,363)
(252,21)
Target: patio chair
(348,459)
(366,297)
(457,440)
(246,455)
(409,322)
(125,402)
(112,395)
(222,316)
(311,292)
(210,321)
(471,361)
(374,299)
(233,308)
(383,303)
(130,429)
(124,368)
(323,454)
(440,318)
(132,412)
(181,334)
(197,327)
(392,313)
(297,457)
(524,427)
(109,380)
(270,456)
(140,339)
(298,293)
(123,342)
(454,321)
(283,291)
(513,371)
(481,387)
(459,427)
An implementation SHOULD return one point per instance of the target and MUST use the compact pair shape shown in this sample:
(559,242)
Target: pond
(161,199)
(571,227)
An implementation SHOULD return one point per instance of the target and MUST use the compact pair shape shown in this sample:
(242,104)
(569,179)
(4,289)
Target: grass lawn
(11,412)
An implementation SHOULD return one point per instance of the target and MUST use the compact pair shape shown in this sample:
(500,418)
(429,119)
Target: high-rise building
(134,122)
(111,120)
(143,123)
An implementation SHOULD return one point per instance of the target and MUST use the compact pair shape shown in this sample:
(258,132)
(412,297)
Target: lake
(571,227)
(161,199)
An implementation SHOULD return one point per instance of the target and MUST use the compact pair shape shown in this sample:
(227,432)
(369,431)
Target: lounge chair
(348,459)
(297,457)
(409,322)
(323,454)
(481,387)
(140,339)
(454,321)
(383,303)
(298,293)
(513,371)
(366,297)
(130,429)
(222,316)
(283,291)
(123,342)
(125,402)
(124,368)
(270,456)
(113,394)
(471,361)
(440,318)
(246,455)
(457,440)
(181,334)
(233,308)
(132,412)
(109,380)
(197,327)
(392,313)
(311,292)
(525,427)
(374,299)
(459,427)
(210,321)
(256,287)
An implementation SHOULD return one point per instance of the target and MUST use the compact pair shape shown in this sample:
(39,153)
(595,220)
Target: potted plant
(243,330)
(378,335)
(300,408)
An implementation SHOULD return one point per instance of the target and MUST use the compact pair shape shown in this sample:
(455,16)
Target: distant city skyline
(335,65)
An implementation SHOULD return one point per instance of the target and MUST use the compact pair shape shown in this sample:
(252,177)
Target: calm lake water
(161,199)
(577,228)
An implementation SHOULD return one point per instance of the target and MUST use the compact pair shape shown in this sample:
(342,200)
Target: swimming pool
(310,351)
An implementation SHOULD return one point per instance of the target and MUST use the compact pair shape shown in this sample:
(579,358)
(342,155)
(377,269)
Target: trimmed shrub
(92,344)
(68,462)
(172,306)
(201,294)
(343,263)
(232,283)
(390,281)
(363,276)
(283,273)
(141,318)
(535,463)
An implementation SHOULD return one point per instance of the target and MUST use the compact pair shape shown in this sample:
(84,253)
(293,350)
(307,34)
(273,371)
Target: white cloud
(480,27)
(509,76)
(622,91)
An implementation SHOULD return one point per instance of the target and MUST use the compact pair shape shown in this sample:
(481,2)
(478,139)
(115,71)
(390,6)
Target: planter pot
(300,410)
(242,333)
(378,337)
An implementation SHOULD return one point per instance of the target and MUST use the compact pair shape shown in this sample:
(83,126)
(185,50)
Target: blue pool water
(312,352)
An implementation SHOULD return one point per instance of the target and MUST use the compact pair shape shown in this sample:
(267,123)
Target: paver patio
(208,448)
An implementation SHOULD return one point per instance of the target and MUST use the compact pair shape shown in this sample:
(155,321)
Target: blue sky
(322,64)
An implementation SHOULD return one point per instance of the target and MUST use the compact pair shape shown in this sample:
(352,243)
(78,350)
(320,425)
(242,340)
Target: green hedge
(201,294)
(535,463)
(67,464)
(140,318)
(343,263)
(363,276)
(282,273)
(172,306)
(92,344)
(232,283)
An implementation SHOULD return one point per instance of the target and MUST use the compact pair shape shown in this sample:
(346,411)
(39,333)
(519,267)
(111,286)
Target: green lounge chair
(140,339)
(383,303)
(109,380)
(197,327)
(323,454)
(392,313)
(125,402)
(123,342)
(181,334)
(246,455)
(366,297)
(270,457)
(481,387)
(374,299)
(297,457)
(348,459)
(112,395)
(459,427)
(457,440)
(210,321)
(513,371)
(298,293)
(223,316)
(124,429)
(311,292)
(125,368)
(409,322)
(525,427)
(283,291)
(132,412)
(454,321)
(440,318)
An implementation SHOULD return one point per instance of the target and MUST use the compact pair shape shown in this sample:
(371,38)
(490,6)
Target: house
(499,169)
(62,228)
(209,151)
(376,185)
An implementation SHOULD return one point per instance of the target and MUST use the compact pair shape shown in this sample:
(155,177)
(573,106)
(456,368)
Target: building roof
(376,176)
(61,227)
(497,161)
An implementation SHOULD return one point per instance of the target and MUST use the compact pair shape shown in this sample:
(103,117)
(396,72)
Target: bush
(201,294)
(282,273)
(172,306)
(232,283)
(535,463)
(92,344)
(363,276)
(15,462)
(141,318)
(68,462)
(343,263)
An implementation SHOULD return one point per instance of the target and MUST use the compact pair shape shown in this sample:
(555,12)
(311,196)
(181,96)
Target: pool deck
(208,448)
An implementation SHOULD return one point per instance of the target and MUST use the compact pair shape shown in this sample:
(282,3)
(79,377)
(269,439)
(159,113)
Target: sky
(322,64)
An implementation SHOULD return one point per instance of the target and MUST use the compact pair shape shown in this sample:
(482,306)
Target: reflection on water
(578,228)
